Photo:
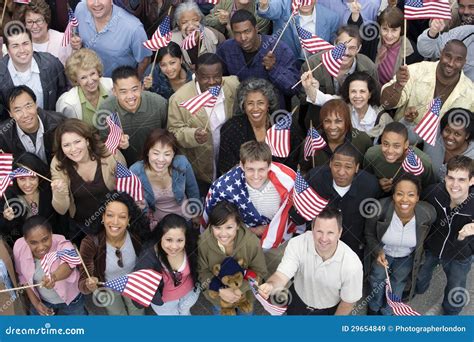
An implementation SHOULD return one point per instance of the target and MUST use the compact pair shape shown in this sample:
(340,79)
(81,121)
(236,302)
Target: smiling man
(30,128)
(41,71)
(417,84)
(139,111)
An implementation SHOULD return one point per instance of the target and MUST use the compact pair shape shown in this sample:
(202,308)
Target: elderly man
(327,273)
(199,133)
(417,84)
(41,71)
(115,35)
(30,129)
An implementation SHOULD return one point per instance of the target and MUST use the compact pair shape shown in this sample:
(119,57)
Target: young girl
(174,255)
(59,293)
(227,236)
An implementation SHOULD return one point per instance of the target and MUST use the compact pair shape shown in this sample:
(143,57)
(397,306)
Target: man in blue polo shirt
(115,35)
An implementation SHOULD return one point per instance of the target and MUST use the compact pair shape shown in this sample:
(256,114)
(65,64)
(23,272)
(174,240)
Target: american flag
(311,42)
(69,256)
(427,9)
(26,2)
(212,2)
(22,172)
(296,4)
(69,28)
(398,308)
(427,128)
(232,187)
(314,142)
(6,166)
(139,286)
(332,59)
(207,98)
(307,201)
(413,164)
(4,183)
(128,182)
(272,309)
(161,37)
(115,132)
(278,136)
(190,41)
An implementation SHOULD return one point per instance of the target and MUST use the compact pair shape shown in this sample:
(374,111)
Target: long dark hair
(34,163)
(173,221)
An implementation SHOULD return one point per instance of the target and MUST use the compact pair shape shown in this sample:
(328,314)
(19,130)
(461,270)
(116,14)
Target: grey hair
(259,85)
(187,6)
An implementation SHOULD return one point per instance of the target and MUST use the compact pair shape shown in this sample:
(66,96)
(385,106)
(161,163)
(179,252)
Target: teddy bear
(229,274)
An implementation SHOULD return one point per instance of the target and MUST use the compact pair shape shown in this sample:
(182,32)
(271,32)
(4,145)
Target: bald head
(452,60)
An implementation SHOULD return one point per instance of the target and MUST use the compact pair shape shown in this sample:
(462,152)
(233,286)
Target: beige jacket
(62,202)
(183,125)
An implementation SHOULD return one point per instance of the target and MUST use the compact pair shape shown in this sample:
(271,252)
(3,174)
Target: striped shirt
(266,199)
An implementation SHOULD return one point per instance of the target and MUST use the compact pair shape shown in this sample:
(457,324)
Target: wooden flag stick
(283,31)
(311,129)
(405,42)
(36,173)
(153,65)
(396,173)
(6,200)
(209,117)
(82,262)
(20,288)
(317,66)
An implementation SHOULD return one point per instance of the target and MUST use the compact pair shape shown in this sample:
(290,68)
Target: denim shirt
(182,177)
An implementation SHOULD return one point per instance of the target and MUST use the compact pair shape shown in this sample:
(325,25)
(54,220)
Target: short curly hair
(257,85)
(35,6)
(84,59)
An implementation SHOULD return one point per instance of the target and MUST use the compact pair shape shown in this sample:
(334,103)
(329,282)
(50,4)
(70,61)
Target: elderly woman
(455,137)
(188,18)
(395,237)
(259,107)
(220,15)
(37,17)
(361,92)
(84,70)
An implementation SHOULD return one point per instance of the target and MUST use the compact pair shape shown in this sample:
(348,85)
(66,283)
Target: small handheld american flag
(398,308)
(427,128)
(272,309)
(22,172)
(161,37)
(332,59)
(6,166)
(69,28)
(306,200)
(278,136)
(190,41)
(314,142)
(296,5)
(413,164)
(115,132)
(69,256)
(128,182)
(427,9)
(139,286)
(207,98)
(311,42)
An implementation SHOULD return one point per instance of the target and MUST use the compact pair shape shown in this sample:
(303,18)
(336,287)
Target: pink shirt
(171,292)
(67,289)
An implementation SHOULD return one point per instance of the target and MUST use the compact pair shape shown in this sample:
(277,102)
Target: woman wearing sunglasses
(174,255)
(113,249)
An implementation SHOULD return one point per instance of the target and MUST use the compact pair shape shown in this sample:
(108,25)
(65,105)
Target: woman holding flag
(395,239)
(58,293)
(82,172)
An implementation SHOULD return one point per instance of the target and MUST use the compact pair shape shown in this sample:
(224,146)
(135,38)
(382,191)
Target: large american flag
(314,142)
(128,182)
(232,187)
(427,128)
(332,59)
(161,37)
(69,256)
(272,309)
(296,4)
(398,308)
(311,42)
(427,9)
(207,98)
(278,136)
(412,163)
(115,132)
(22,172)
(139,286)
(6,166)
(190,41)
(307,201)
(69,28)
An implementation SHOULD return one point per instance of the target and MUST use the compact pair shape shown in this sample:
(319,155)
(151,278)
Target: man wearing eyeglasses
(30,128)
(41,71)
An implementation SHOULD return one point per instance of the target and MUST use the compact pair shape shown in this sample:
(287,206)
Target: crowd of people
(213,186)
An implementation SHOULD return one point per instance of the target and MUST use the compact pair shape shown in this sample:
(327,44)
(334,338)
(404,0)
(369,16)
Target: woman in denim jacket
(168,179)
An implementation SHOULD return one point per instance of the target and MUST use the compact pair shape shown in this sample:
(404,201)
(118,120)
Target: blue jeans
(456,273)
(216,311)
(75,308)
(178,307)
(399,270)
